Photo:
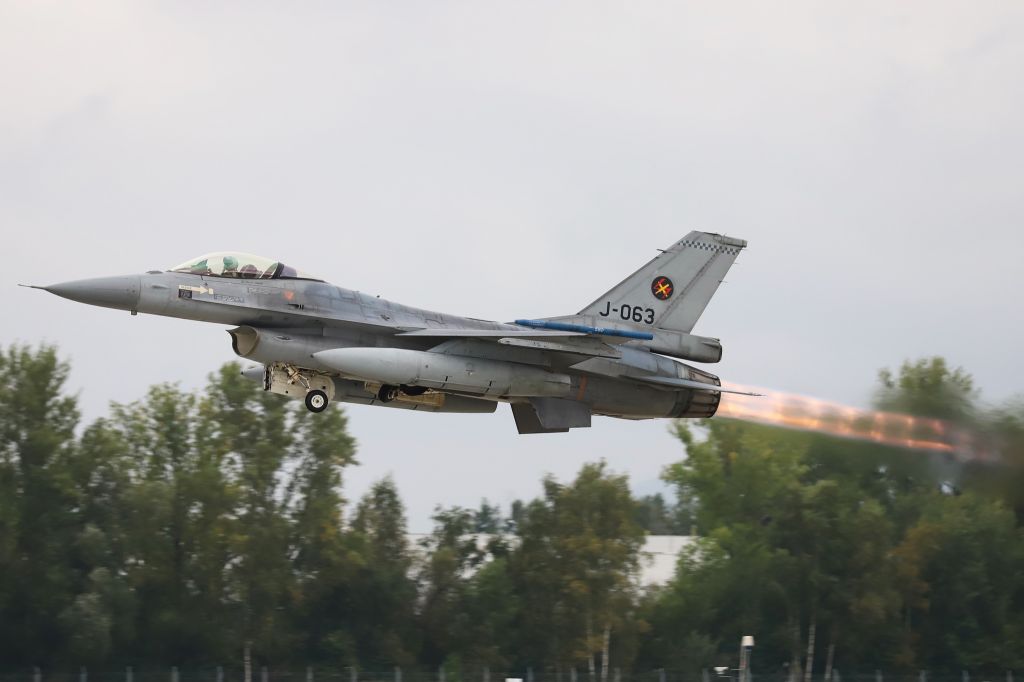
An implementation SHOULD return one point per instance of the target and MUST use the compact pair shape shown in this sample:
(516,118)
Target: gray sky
(507,160)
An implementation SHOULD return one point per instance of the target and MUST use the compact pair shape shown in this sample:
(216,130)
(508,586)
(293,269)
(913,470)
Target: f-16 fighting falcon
(318,342)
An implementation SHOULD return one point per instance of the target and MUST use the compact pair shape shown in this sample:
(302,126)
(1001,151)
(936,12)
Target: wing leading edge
(489,333)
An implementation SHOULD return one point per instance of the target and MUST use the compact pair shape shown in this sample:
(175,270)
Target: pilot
(249,271)
(230,266)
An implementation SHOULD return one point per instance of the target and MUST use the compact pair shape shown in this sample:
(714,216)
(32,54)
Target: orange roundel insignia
(662,288)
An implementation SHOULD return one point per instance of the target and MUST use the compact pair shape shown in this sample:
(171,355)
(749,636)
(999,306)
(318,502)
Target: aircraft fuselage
(322,342)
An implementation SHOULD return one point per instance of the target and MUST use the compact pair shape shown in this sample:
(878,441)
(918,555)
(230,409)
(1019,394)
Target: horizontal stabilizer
(689,383)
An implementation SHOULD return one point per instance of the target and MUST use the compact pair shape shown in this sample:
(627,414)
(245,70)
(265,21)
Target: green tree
(251,434)
(579,557)
(321,449)
(783,537)
(368,608)
(452,555)
(153,442)
(102,619)
(1000,471)
(38,520)
(487,519)
(742,479)
(928,388)
(657,517)
(960,572)
(487,616)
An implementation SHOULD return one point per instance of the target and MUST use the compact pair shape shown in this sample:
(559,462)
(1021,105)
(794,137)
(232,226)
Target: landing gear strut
(387,393)
(316,400)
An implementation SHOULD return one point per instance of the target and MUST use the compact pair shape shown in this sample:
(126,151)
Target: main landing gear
(316,400)
(387,393)
(316,389)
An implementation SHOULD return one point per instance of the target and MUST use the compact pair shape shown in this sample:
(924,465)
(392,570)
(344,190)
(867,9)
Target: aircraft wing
(485,333)
(557,341)
(688,383)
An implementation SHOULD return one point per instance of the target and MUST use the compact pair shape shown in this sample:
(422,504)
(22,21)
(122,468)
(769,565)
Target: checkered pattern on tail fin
(672,290)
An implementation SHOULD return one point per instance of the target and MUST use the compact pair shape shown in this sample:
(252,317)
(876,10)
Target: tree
(487,519)
(103,617)
(452,556)
(657,517)
(487,616)
(154,442)
(928,388)
(1001,473)
(741,478)
(38,522)
(188,527)
(380,595)
(960,572)
(579,557)
(784,537)
(250,433)
(321,449)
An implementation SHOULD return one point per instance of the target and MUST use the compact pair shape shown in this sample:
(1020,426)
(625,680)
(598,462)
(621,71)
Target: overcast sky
(516,159)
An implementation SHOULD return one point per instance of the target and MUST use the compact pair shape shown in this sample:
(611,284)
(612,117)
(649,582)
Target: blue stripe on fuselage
(583,329)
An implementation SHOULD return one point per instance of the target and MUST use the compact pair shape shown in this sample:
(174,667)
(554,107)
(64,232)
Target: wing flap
(584,346)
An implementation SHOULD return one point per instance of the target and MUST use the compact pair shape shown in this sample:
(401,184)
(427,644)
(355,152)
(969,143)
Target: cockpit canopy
(239,265)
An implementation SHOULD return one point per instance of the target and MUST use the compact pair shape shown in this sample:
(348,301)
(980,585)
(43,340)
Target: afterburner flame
(810,414)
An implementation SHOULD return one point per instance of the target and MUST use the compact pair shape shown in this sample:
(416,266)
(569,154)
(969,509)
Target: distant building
(659,554)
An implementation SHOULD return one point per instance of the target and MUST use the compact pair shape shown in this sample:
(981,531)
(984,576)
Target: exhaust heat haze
(819,416)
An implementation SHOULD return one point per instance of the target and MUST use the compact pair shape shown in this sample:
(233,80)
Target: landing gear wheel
(316,400)
(414,390)
(387,393)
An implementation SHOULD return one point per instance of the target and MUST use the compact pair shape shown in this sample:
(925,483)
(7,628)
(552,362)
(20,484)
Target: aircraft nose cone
(109,292)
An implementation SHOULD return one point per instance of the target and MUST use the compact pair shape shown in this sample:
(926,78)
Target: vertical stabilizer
(672,290)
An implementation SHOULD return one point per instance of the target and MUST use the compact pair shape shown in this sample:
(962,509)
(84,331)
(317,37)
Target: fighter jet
(319,343)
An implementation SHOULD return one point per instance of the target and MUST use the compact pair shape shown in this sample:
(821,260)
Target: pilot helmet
(230,263)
